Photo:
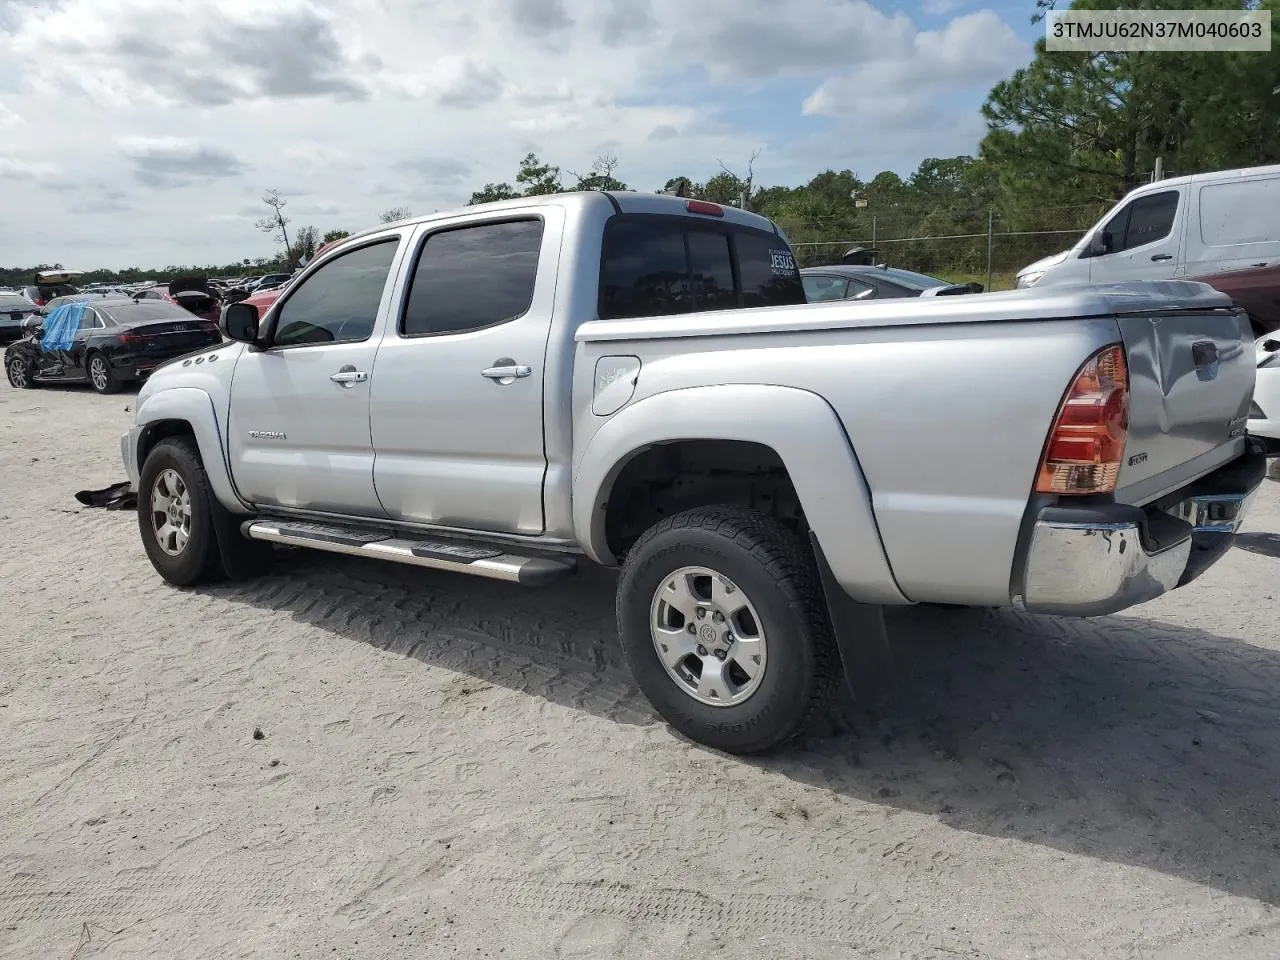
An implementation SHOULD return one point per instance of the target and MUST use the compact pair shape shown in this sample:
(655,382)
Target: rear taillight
(39,302)
(1086,444)
(132,339)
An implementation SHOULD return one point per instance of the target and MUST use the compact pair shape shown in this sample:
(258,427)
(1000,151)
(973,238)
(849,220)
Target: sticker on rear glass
(782,261)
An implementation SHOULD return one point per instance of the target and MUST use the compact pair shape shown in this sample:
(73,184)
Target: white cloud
(13,169)
(972,52)
(184,116)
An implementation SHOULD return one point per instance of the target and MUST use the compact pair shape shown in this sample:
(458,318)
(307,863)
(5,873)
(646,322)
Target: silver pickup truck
(636,381)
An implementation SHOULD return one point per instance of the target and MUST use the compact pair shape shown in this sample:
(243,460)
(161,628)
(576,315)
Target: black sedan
(106,342)
(850,282)
(14,309)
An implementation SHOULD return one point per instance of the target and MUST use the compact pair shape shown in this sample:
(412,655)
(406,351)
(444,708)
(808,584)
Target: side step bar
(453,555)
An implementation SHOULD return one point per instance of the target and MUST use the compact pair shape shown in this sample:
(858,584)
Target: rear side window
(473,277)
(660,266)
(819,287)
(1239,212)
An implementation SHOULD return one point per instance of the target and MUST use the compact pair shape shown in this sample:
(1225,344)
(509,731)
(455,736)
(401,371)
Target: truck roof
(623,201)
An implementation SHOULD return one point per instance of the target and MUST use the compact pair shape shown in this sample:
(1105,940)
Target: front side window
(339,302)
(1151,219)
(473,277)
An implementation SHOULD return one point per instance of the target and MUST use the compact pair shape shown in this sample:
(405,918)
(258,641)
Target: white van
(1180,227)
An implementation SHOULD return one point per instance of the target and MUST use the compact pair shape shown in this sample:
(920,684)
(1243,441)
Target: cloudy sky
(143,132)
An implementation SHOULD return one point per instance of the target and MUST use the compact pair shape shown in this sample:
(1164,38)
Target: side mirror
(1100,244)
(240,322)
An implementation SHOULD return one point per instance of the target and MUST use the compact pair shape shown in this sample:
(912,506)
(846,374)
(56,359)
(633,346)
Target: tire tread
(789,561)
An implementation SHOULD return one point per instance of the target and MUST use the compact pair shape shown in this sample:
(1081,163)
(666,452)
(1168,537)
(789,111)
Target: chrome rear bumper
(1087,561)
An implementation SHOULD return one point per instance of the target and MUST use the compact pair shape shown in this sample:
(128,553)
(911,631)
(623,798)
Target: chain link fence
(984,247)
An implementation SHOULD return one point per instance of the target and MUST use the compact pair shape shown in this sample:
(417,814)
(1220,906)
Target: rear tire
(101,377)
(175,516)
(763,631)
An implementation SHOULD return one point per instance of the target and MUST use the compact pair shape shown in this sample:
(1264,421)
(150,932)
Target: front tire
(21,370)
(102,378)
(175,515)
(722,621)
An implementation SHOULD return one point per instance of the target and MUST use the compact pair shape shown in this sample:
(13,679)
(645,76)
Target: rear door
(456,402)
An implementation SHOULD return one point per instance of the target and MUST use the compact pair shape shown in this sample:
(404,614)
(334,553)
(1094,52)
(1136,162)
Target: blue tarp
(60,327)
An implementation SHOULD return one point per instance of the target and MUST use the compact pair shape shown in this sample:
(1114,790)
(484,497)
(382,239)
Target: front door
(299,423)
(456,404)
(1142,240)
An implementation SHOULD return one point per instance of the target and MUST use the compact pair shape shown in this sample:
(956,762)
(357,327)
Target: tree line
(1067,135)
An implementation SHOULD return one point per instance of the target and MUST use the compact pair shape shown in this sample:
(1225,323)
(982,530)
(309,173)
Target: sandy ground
(451,766)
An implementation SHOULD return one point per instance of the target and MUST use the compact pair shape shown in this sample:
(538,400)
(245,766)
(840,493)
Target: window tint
(645,271)
(1150,219)
(339,302)
(768,270)
(473,277)
(711,271)
(818,288)
(88,319)
(659,266)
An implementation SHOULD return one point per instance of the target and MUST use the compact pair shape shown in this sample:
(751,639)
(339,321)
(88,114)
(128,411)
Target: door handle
(1162,256)
(506,371)
(348,376)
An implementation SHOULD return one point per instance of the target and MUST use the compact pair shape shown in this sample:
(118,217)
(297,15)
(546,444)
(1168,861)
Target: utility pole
(991,222)
(1158,173)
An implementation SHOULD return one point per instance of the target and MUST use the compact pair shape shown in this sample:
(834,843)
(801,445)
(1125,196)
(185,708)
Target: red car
(1257,289)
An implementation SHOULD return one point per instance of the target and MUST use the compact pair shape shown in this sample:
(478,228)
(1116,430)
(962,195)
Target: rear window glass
(659,266)
(645,271)
(769,274)
(145,312)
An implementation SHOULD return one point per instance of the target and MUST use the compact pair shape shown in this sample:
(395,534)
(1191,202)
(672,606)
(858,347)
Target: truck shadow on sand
(1123,739)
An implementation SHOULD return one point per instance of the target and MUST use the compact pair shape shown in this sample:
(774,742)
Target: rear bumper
(1091,560)
(139,365)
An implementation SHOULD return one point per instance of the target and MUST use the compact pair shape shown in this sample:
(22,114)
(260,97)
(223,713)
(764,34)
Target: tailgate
(1191,380)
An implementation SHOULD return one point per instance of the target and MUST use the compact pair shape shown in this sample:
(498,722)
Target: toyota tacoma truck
(636,381)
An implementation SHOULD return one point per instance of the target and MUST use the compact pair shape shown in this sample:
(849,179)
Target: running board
(453,555)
